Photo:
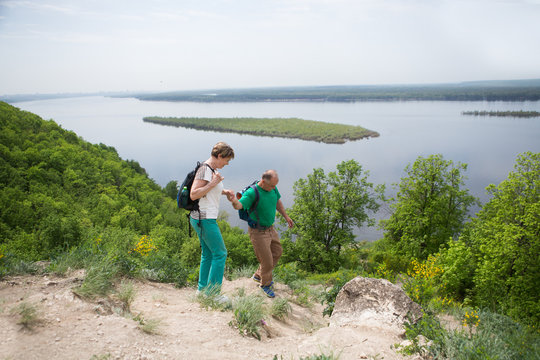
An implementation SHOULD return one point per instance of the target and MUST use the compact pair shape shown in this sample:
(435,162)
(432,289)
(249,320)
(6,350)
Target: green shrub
(288,273)
(98,280)
(249,314)
(239,248)
(458,265)
(168,239)
(484,335)
(337,280)
(77,258)
(191,251)
(212,299)
(423,281)
(280,308)
(126,294)
(244,271)
(160,267)
(29,315)
(148,326)
(11,265)
(25,246)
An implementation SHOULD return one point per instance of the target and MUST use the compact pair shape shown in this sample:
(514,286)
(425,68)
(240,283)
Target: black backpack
(243,213)
(183,198)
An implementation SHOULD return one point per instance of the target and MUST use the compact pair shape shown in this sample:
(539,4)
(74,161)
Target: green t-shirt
(266,208)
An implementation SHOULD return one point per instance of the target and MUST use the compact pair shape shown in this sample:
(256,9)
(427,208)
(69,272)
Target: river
(489,145)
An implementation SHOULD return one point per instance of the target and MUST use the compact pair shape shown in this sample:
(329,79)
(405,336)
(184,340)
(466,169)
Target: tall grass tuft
(212,299)
(249,314)
(280,308)
(148,326)
(29,315)
(98,280)
(245,271)
(126,294)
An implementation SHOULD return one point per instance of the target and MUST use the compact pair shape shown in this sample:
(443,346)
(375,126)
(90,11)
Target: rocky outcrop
(373,303)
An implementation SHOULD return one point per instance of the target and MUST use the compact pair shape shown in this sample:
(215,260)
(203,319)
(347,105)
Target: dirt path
(73,328)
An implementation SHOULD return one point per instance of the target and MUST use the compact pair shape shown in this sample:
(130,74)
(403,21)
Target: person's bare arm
(235,203)
(281,209)
(201,187)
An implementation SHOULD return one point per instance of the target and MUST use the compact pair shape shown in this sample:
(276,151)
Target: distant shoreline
(511,90)
(503,90)
(294,128)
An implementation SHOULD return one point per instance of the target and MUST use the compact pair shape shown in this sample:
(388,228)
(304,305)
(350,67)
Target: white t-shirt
(208,204)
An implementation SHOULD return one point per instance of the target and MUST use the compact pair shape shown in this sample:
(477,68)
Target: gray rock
(374,303)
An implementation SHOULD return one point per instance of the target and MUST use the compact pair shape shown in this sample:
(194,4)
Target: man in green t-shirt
(263,236)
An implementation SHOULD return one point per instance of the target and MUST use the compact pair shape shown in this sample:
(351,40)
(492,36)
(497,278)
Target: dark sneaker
(256,278)
(268,291)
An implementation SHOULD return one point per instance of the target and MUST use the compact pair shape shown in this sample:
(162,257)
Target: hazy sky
(49,46)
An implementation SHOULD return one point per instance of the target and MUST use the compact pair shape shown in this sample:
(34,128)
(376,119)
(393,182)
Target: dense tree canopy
(431,206)
(326,210)
(499,252)
(55,186)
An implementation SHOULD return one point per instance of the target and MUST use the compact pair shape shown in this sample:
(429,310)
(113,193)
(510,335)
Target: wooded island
(521,113)
(276,127)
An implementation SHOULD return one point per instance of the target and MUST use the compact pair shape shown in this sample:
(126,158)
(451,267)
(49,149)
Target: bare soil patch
(74,328)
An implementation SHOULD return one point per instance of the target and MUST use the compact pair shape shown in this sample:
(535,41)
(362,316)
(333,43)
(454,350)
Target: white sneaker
(222,299)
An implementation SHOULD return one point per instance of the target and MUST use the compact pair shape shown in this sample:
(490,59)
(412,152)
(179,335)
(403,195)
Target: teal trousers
(213,254)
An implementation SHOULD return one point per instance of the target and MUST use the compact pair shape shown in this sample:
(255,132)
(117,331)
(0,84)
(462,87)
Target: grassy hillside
(56,187)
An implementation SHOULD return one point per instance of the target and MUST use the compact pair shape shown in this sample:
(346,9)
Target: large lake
(407,130)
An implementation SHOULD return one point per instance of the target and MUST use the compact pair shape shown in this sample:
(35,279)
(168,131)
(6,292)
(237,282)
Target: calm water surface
(407,130)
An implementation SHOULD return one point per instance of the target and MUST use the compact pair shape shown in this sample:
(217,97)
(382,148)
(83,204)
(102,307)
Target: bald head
(269,180)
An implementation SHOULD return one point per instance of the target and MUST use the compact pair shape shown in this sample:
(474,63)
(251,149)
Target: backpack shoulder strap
(210,167)
(256,202)
(253,208)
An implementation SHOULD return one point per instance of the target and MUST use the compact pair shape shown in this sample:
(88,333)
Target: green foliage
(331,295)
(29,315)
(126,294)
(148,326)
(211,298)
(489,336)
(55,188)
(244,271)
(429,209)
(326,210)
(280,308)
(335,281)
(162,268)
(171,189)
(505,241)
(239,249)
(249,314)
(276,127)
(458,264)
(98,280)
(422,284)
(428,326)
(288,273)
(191,251)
